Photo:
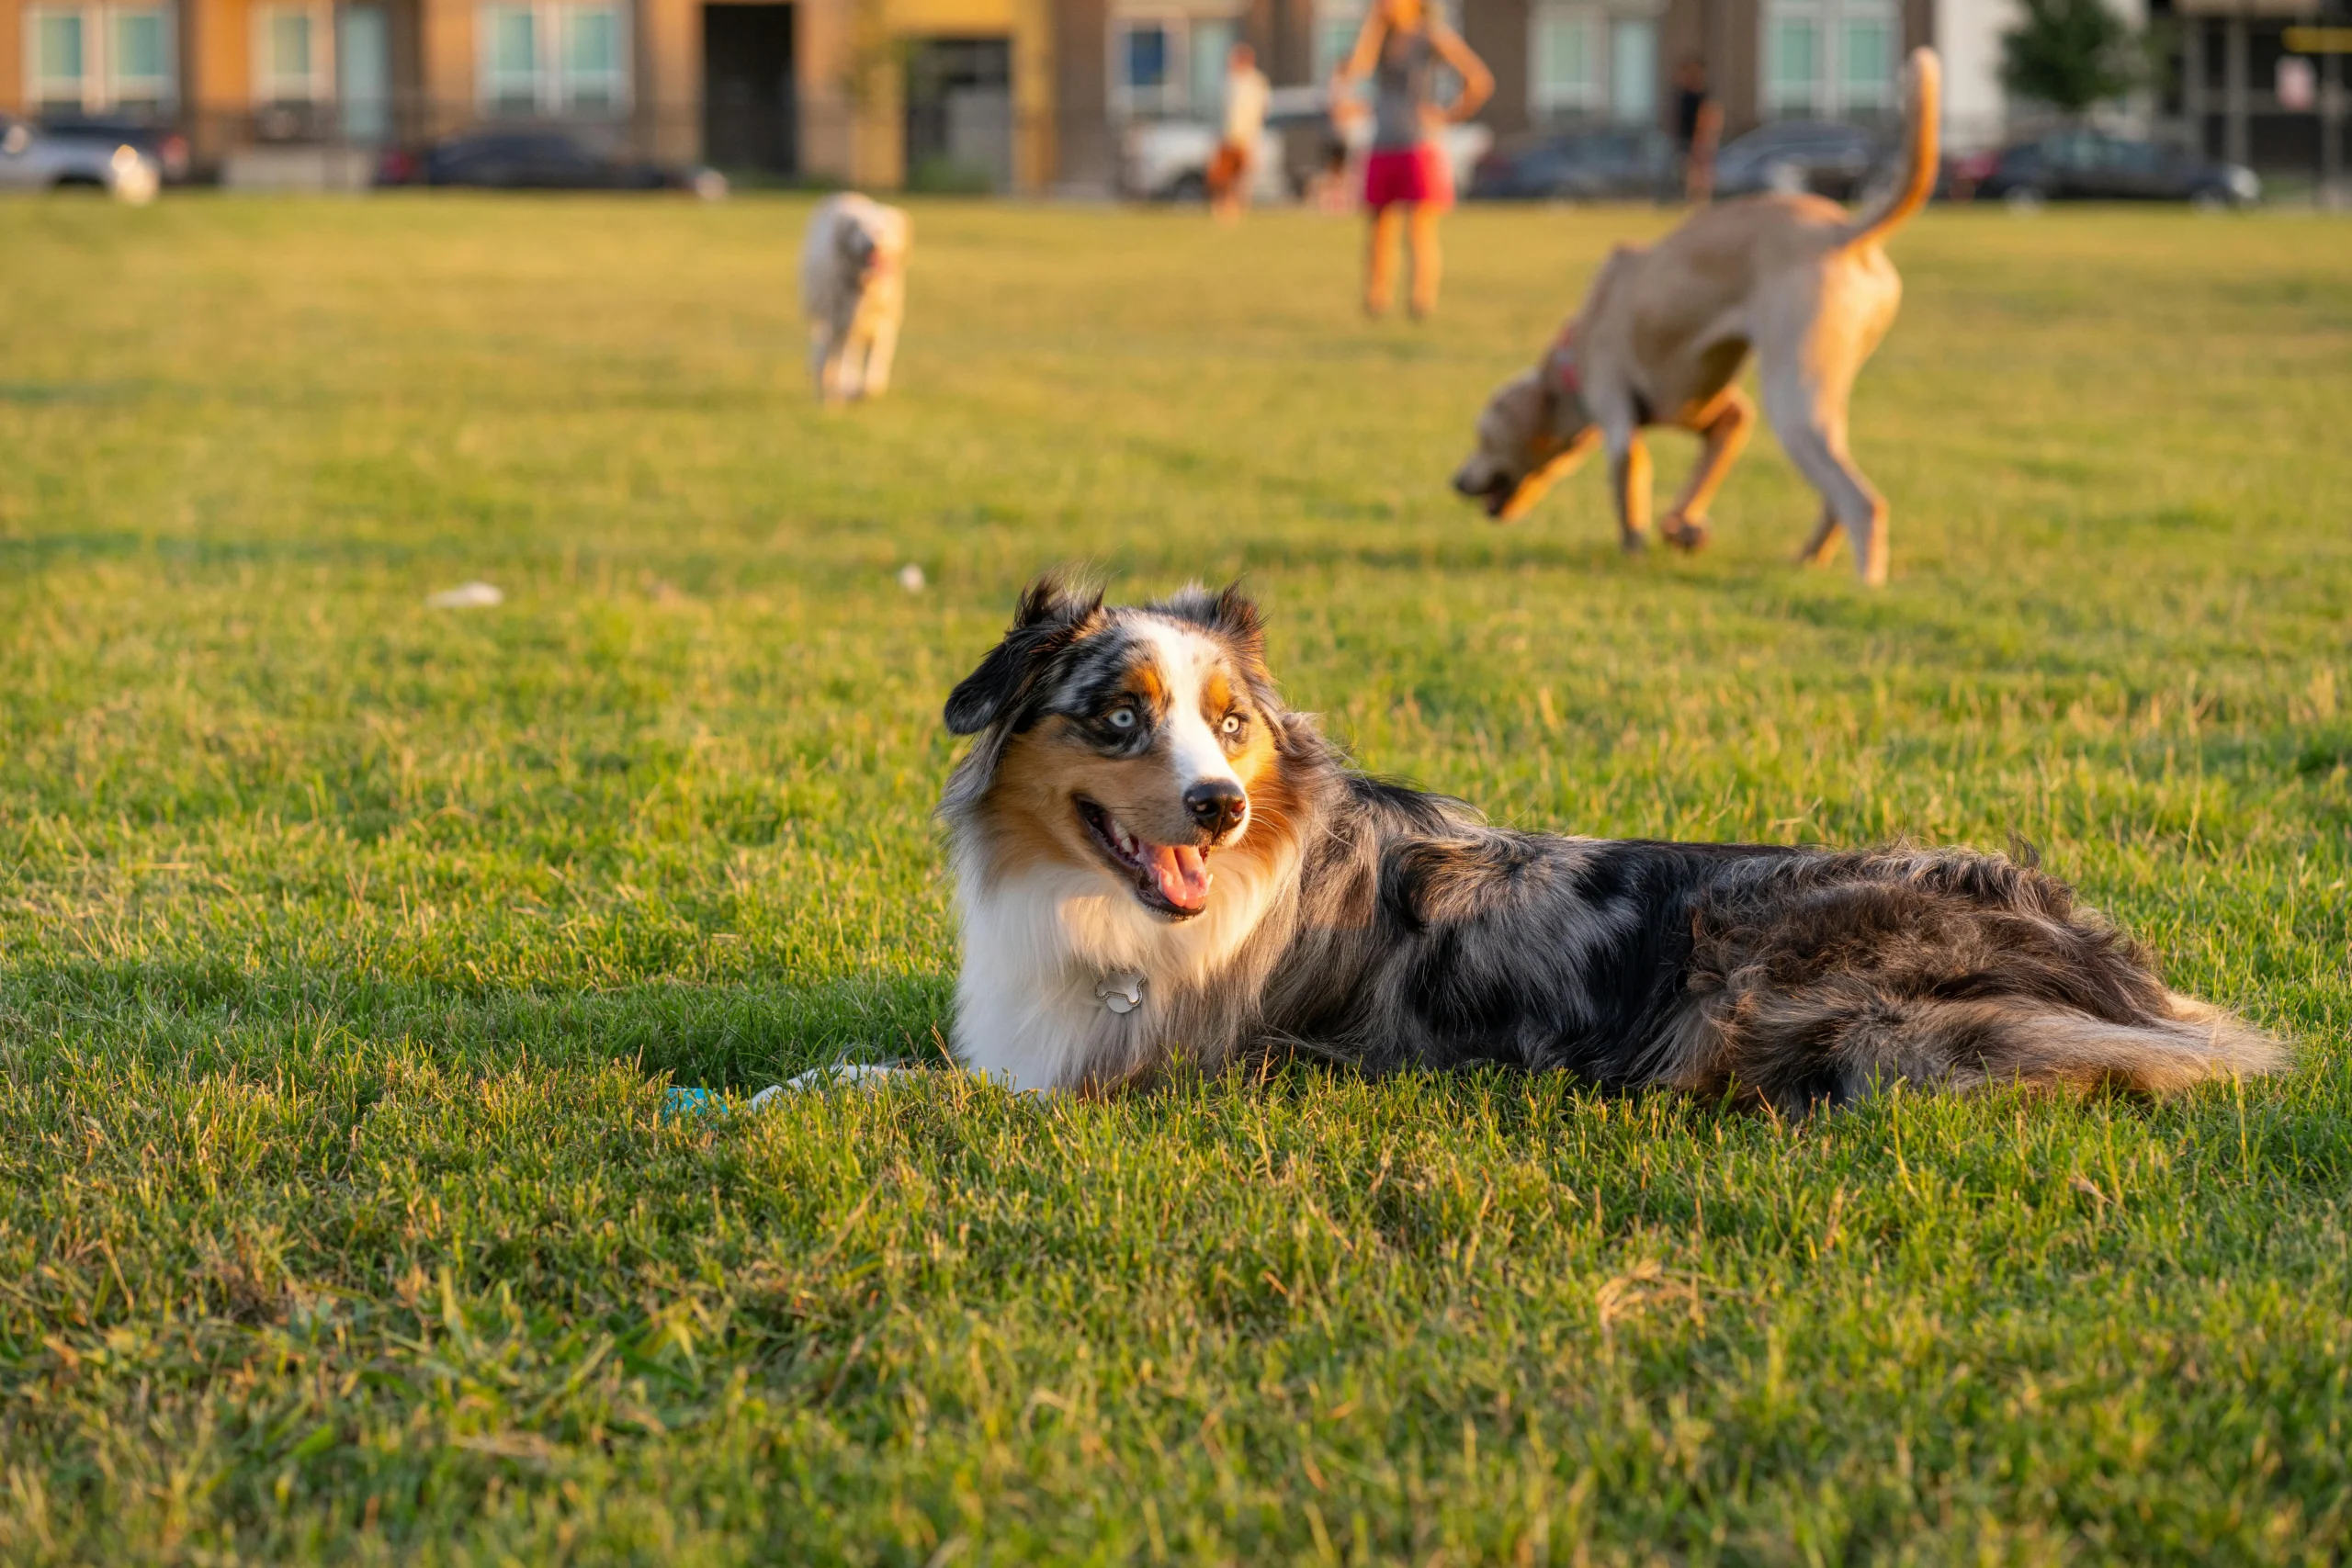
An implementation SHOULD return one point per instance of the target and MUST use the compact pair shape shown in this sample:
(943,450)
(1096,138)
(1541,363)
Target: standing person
(1236,164)
(1406,181)
(1698,128)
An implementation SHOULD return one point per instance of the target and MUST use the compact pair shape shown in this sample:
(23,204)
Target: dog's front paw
(1686,532)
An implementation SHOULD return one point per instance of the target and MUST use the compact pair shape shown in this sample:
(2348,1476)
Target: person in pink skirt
(1407,182)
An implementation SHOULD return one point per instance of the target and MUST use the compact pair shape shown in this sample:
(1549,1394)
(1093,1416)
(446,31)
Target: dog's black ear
(1053,612)
(1229,613)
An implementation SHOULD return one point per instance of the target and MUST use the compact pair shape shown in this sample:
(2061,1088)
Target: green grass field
(347,946)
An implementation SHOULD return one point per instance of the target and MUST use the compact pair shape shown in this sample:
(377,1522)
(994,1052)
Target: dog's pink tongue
(1184,876)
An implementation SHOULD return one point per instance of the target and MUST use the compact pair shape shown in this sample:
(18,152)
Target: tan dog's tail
(1923,93)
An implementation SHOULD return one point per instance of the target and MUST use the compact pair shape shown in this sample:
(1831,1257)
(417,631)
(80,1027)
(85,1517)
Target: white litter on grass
(826,1077)
(465,596)
(910,578)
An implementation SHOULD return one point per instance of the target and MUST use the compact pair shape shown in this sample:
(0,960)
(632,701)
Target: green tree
(2069,54)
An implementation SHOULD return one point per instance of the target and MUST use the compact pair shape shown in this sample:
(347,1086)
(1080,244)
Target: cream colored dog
(1665,330)
(854,287)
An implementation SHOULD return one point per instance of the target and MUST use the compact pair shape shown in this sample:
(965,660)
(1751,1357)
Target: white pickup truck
(1168,160)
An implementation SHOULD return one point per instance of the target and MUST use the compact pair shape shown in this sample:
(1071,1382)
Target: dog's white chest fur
(1066,977)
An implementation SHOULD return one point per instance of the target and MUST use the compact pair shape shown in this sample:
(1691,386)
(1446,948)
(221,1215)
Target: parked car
(1826,157)
(547,160)
(32,160)
(2087,165)
(1580,165)
(1168,160)
(167,147)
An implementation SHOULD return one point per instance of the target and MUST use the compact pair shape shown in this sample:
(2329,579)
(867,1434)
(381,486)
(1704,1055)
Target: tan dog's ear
(1570,418)
(1523,411)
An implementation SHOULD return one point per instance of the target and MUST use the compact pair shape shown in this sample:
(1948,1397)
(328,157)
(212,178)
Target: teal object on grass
(684,1102)
(679,1103)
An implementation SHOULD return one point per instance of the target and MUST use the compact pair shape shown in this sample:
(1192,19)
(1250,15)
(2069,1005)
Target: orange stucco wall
(446,62)
(217,47)
(820,65)
(12,56)
(669,76)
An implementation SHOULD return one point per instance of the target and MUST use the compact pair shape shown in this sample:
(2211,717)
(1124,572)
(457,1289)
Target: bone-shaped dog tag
(1120,993)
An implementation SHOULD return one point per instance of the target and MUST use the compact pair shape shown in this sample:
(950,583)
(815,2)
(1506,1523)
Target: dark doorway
(748,113)
(960,114)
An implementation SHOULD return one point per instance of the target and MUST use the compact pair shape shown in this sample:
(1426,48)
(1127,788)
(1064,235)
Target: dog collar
(1122,993)
(1560,365)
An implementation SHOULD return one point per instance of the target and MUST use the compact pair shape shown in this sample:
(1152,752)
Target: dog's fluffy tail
(1833,976)
(1922,95)
(1844,1043)
(1984,1045)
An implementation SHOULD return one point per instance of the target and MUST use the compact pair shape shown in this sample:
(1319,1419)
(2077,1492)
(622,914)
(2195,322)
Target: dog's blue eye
(1123,719)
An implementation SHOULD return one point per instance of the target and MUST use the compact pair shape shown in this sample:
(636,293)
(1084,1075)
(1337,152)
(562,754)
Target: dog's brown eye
(1121,719)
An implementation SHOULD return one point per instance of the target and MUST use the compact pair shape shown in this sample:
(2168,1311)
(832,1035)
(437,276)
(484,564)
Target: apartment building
(1034,95)
(883,93)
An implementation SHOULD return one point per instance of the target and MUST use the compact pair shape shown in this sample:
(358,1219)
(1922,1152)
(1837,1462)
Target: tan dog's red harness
(1560,363)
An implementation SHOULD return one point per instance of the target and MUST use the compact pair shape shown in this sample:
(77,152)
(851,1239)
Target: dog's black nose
(1216,804)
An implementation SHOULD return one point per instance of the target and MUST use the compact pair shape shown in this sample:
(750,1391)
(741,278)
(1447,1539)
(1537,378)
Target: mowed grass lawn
(349,946)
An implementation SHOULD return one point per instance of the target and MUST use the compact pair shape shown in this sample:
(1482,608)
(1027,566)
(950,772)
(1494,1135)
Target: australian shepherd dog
(1155,859)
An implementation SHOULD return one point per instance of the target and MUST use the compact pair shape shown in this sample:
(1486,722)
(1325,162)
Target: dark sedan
(1826,157)
(550,159)
(1578,165)
(167,146)
(2084,165)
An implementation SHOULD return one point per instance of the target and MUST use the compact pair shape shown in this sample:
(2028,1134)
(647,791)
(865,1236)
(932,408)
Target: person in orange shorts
(1235,166)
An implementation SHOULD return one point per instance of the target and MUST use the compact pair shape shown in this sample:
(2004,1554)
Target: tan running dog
(1665,330)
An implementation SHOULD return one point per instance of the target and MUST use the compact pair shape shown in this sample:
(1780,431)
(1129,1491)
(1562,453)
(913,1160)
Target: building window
(1337,22)
(1632,70)
(90,58)
(1564,63)
(291,55)
(510,59)
(1829,57)
(1583,64)
(1146,64)
(1792,62)
(142,58)
(555,59)
(1866,62)
(60,71)
(1212,42)
(363,72)
(592,57)
(1170,66)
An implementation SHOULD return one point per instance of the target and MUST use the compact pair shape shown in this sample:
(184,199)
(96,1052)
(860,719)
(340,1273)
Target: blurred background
(2046,99)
